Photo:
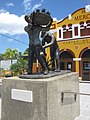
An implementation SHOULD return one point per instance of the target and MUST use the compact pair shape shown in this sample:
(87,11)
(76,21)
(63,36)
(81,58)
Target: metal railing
(74,93)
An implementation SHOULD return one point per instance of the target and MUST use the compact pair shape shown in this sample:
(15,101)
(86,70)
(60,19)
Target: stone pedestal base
(40,99)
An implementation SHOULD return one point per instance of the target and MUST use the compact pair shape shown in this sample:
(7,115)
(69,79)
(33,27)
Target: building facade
(73,37)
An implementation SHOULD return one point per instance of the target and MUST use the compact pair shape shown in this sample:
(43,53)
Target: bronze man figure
(50,39)
(33,29)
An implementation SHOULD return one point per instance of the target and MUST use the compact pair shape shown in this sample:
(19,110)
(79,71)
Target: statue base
(40,99)
(41,75)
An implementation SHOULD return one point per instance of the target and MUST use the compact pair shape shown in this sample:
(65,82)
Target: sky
(12,23)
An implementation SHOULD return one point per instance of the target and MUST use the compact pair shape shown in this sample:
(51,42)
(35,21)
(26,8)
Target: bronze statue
(50,39)
(37,21)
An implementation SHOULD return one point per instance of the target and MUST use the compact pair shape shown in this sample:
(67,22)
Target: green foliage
(1,72)
(26,52)
(11,54)
(1,56)
(19,68)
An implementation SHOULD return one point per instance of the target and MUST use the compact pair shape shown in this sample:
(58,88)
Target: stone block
(46,103)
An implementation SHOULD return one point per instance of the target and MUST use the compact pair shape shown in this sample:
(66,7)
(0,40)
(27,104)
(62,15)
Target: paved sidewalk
(0,109)
(84,101)
(0,97)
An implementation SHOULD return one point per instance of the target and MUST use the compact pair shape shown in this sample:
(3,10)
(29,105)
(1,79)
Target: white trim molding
(76,59)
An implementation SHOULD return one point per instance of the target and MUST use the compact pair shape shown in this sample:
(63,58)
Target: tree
(26,52)
(19,68)
(11,54)
(1,56)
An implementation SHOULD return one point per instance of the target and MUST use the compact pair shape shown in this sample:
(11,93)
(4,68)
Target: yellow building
(73,37)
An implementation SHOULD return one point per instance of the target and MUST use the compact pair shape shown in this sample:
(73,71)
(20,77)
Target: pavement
(84,87)
(0,97)
(0,109)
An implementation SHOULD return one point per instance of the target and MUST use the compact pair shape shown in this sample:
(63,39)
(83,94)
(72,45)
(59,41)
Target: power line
(13,39)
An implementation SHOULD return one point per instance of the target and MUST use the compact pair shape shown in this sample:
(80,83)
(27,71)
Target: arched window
(88,23)
(67,33)
(81,25)
(83,29)
(64,28)
(69,27)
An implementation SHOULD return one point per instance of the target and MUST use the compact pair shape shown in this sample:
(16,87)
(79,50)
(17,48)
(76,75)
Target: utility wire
(13,39)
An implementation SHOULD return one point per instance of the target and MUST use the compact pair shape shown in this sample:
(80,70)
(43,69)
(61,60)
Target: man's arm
(52,41)
(28,28)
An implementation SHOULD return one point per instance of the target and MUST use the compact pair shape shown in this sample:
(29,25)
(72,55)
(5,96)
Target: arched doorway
(85,64)
(66,60)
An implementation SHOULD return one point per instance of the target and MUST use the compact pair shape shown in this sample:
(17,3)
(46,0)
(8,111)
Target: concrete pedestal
(40,99)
